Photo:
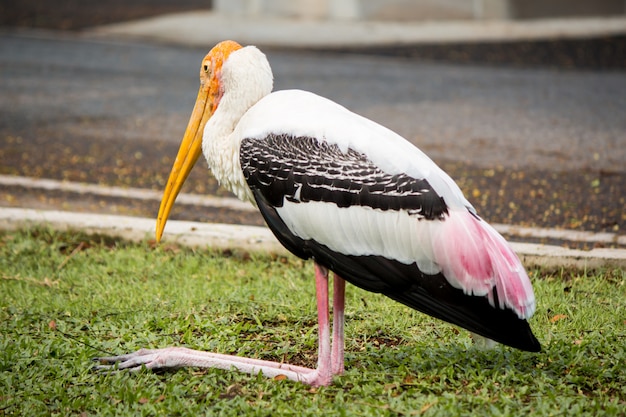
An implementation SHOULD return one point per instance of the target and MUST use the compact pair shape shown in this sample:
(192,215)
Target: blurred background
(532,128)
(78,14)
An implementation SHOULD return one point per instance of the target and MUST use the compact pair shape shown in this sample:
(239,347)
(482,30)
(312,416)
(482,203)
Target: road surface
(529,146)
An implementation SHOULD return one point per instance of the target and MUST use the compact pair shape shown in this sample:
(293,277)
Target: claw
(131,362)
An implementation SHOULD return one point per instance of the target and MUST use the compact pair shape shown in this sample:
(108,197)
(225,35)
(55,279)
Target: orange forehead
(220,53)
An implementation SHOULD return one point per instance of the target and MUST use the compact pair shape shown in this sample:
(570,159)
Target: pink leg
(323,373)
(339,301)
(329,363)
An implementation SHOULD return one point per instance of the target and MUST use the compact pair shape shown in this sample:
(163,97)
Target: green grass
(67,297)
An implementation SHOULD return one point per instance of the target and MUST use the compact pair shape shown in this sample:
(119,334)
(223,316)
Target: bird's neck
(221,143)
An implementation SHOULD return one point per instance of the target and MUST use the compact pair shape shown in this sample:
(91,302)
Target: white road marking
(123,192)
(235,204)
(261,238)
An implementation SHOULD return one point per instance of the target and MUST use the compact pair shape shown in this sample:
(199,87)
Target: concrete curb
(193,234)
(236,204)
(261,239)
(124,192)
(205,28)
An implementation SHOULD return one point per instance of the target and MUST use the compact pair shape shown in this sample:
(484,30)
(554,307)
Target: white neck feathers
(246,77)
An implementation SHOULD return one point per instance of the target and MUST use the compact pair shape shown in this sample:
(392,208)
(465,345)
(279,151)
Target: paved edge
(125,192)
(193,234)
(202,28)
(236,204)
(261,239)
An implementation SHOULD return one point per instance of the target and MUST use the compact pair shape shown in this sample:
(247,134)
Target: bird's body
(358,199)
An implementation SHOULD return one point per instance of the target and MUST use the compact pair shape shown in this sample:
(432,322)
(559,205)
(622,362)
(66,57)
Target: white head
(232,79)
(245,78)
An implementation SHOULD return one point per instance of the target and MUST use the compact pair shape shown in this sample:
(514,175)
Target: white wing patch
(472,256)
(363,231)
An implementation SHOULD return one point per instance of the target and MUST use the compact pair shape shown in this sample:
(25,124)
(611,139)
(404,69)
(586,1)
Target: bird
(358,199)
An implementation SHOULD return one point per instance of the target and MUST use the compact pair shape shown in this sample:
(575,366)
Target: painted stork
(357,198)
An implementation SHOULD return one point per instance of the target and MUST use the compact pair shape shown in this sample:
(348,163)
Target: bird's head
(209,96)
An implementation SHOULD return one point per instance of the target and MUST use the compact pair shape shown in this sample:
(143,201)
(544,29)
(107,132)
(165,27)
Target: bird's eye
(205,67)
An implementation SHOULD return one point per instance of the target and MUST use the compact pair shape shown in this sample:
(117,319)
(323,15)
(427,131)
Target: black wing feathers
(430,294)
(280,168)
(303,169)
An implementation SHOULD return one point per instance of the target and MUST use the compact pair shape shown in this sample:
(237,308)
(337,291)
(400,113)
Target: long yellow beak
(190,148)
(188,153)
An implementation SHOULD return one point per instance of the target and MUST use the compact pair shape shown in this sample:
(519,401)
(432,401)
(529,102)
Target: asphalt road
(531,146)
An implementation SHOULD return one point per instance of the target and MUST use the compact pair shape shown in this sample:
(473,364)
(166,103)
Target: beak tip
(158,233)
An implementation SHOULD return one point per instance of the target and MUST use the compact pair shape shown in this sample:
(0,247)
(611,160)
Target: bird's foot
(177,357)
